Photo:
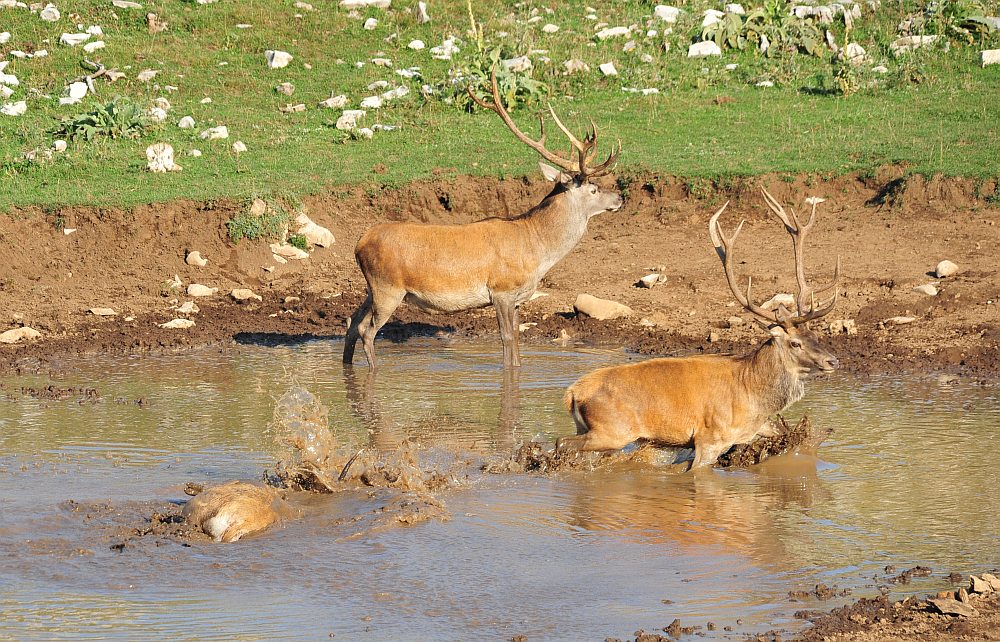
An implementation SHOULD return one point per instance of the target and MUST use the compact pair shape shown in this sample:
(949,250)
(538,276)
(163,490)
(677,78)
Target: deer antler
(724,247)
(806,300)
(586,150)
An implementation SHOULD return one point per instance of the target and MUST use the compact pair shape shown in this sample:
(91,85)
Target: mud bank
(890,231)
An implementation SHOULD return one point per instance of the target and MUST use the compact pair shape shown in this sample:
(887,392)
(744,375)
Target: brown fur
(231,511)
(709,402)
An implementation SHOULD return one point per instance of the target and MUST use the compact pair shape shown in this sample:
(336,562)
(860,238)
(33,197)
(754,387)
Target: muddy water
(908,477)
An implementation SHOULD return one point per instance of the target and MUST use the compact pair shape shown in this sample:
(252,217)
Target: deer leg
(707,454)
(383,305)
(506,319)
(360,318)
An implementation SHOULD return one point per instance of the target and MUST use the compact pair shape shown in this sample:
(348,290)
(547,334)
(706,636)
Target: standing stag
(498,262)
(710,402)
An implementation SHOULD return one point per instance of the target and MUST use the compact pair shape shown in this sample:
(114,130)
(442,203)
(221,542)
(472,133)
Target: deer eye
(795,343)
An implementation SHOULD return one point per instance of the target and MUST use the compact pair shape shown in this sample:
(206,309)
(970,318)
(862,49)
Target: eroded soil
(889,234)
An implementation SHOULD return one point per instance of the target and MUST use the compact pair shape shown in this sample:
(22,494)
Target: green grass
(948,122)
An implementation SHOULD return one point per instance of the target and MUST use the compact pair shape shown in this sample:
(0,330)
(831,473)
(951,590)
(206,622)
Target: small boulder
(186,123)
(286,251)
(315,234)
(990,57)
(160,158)
(197,289)
(601,309)
(215,133)
(928,289)
(349,119)
(612,32)
(286,88)
(704,49)
(948,606)
(786,300)
(979,585)
(992,580)
(648,281)
(244,294)
(735,321)
(188,307)
(17,334)
(177,324)
(945,269)
(909,43)
(844,326)
(102,312)
(608,69)
(50,13)
(420,12)
(194,258)
(277,59)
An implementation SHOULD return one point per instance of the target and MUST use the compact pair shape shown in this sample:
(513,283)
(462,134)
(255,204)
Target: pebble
(188,307)
(17,334)
(704,49)
(899,320)
(277,59)
(102,312)
(648,281)
(601,309)
(177,324)
(194,258)
(244,294)
(735,321)
(286,88)
(608,69)
(284,250)
(945,268)
(927,288)
(215,133)
(197,289)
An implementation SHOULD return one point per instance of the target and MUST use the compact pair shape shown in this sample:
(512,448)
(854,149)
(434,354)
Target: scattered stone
(711,16)
(854,54)
(194,153)
(899,320)
(304,6)
(519,64)
(126,4)
(945,269)
(844,326)
(239,147)
(909,43)
(160,158)
(244,294)
(704,49)
(735,321)
(102,312)
(348,119)
(17,334)
(197,289)
(416,45)
(382,62)
(194,258)
(601,309)
(736,9)
(14,109)
(277,59)
(550,28)
(361,4)
(445,50)
(765,83)
(76,91)
(927,288)
(186,123)
(713,337)
(613,32)
(49,13)
(648,281)
(206,100)
(286,88)
(177,324)
(147,74)
(366,132)
(188,307)
(575,66)
(370,24)
(215,133)
(421,14)
(73,39)
(786,300)
(992,580)
(667,13)
(157,114)
(59,145)
(948,606)
(990,57)
(979,585)
(154,24)
(286,251)
(608,69)
(315,234)
(4,37)
(91,47)
(372,102)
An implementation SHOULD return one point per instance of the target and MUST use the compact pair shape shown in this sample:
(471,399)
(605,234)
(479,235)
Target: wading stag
(710,402)
(498,262)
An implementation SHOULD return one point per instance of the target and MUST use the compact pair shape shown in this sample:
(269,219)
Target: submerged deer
(710,402)
(498,262)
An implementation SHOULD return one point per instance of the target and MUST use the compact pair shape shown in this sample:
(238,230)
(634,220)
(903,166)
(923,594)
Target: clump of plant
(771,28)
(299,241)
(120,118)
(963,20)
(260,219)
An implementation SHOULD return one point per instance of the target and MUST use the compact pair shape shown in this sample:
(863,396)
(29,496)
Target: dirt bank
(890,233)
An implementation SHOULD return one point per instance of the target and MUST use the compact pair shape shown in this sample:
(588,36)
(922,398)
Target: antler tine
(592,138)
(572,139)
(724,248)
(607,164)
(539,146)
(778,210)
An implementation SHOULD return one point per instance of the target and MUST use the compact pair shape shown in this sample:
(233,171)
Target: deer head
(571,174)
(799,347)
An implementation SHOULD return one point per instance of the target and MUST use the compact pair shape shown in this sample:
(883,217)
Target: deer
(711,402)
(495,261)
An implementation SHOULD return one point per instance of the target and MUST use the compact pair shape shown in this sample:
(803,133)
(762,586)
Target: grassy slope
(949,123)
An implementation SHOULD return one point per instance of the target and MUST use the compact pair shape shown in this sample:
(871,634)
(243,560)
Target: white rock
(91,47)
(177,324)
(188,307)
(648,281)
(286,88)
(197,289)
(575,66)
(14,109)
(195,153)
(519,64)
(361,4)
(304,6)
(349,118)
(703,49)
(613,32)
(186,123)
(15,335)
(5,91)
(711,16)
(4,37)
(59,145)
(215,133)
(147,74)
(315,234)
(608,69)
(990,57)
(731,66)
(277,59)
(600,309)
(909,43)
(927,288)
(126,4)
(844,326)
(945,269)
(421,13)
(372,102)
(157,114)
(378,84)
(102,312)
(880,69)
(854,54)
(416,45)
(162,103)
(370,24)
(292,108)
(334,102)
(73,39)
(95,30)
(68,230)
(765,44)
(381,62)
(287,251)
(77,90)
(786,300)
(174,283)
(765,83)
(899,320)
(239,147)
(49,13)
(244,294)
(666,13)
(206,100)
(445,50)
(736,9)
(194,258)
(160,158)
(366,132)
(550,28)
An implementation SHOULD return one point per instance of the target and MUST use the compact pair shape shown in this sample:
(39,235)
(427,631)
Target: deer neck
(770,383)
(554,228)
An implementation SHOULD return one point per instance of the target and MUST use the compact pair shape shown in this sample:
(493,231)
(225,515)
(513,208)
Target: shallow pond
(908,477)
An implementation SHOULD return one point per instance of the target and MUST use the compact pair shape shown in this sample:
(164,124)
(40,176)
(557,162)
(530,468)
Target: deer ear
(552,174)
(777,332)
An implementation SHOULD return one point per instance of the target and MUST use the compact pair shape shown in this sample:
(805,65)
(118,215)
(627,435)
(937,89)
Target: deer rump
(448,268)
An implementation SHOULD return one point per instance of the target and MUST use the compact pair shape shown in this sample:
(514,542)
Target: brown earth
(889,231)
